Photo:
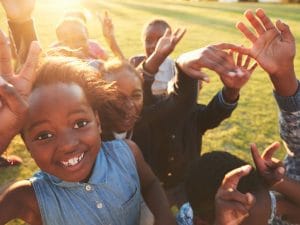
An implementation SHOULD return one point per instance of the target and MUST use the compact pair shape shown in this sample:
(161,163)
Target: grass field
(255,119)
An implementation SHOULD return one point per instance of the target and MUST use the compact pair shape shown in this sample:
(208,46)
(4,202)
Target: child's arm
(152,191)
(190,67)
(232,206)
(164,47)
(274,49)
(22,31)
(18,201)
(109,35)
(225,101)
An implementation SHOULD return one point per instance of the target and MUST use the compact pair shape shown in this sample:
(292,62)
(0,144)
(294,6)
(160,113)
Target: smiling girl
(82,180)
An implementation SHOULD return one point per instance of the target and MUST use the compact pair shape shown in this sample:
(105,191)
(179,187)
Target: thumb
(285,31)
(167,33)
(11,97)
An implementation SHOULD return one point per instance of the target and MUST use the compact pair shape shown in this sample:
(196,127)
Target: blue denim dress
(111,197)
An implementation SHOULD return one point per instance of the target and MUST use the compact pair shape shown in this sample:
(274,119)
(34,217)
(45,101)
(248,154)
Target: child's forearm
(115,47)
(152,64)
(290,189)
(286,84)
(157,202)
(230,95)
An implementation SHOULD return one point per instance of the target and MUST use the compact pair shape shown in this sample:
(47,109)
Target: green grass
(255,119)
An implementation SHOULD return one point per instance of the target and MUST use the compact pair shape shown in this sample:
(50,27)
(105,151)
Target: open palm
(270,43)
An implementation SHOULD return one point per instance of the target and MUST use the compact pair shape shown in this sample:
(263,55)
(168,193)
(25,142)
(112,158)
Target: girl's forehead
(56,102)
(54,91)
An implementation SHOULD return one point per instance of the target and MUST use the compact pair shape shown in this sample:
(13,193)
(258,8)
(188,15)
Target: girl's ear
(98,121)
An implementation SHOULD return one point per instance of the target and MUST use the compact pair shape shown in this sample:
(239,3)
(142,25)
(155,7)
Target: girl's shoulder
(121,150)
(18,190)
(18,201)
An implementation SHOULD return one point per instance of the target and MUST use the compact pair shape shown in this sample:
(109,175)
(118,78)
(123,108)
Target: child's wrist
(231,95)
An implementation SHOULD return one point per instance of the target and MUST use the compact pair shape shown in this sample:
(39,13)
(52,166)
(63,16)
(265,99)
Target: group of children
(118,141)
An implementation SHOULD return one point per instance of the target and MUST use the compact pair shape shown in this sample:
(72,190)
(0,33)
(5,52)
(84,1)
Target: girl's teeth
(73,161)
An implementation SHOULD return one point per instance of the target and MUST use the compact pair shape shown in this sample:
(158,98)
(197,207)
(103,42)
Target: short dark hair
(156,22)
(205,176)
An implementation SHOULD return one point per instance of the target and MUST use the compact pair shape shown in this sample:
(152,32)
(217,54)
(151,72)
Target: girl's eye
(81,123)
(43,136)
(136,96)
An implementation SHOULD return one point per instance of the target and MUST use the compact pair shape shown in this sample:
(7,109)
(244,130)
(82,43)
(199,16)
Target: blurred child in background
(163,75)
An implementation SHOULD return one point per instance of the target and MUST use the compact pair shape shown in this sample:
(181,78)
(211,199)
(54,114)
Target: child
(82,181)
(130,83)
(72,32)
(206,189)
(175,144)
(152,32)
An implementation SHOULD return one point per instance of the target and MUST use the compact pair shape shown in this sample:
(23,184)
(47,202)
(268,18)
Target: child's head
(63,128)
(128,80)
(152,32)
(72,32)
(205,177)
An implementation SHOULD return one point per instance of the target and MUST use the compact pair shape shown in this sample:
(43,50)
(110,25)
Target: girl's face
(62,132)
(151,36)
(131,86)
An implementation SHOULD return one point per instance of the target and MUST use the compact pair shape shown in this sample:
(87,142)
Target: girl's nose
(68,141)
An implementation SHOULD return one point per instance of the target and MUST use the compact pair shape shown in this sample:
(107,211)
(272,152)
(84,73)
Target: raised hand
(236,80)
(107,25)
(273,47)
(232,206)
(271,169)
(109,34)
(13,109)
(163,49)
(213,57)
(167,43)
(14,90)
(18,10)
(22,81)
